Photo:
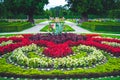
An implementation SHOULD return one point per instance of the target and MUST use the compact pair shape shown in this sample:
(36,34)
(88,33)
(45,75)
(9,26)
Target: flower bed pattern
(93,57)
(47,55)
(58,50)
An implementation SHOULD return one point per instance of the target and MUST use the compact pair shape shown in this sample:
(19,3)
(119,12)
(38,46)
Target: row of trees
(60,11)
(78,8)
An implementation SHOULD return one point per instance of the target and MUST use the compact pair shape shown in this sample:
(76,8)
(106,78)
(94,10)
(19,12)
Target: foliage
(29,7)
(102,26)
(17,42)
(114,13)
(60,11)
(55,50)
(40,20)
(72,20)
(114,44)
(58,38)
(14,26)
(19,56)
(6,43)
(66,38)
(110,66)
(111,36)
(85,7)
(102,78)
(88,53)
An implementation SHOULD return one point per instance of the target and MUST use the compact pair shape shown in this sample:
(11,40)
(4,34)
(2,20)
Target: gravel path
(37,28)
(76,28)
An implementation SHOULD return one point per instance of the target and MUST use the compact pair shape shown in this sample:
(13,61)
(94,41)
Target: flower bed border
(64,76)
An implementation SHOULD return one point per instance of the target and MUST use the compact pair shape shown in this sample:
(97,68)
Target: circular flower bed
(70,52)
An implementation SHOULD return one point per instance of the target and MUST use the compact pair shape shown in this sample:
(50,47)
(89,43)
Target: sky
(53,3)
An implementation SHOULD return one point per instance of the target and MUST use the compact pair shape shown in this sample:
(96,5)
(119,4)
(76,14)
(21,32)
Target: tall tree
(27,7)
(85,7)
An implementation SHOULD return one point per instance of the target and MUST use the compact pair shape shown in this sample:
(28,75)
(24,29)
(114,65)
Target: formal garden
(70,42)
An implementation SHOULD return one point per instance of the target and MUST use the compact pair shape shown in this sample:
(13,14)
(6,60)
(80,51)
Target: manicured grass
(72,20)
(67,28)
(104,27)
(112,36)
(40,20)
(7,35)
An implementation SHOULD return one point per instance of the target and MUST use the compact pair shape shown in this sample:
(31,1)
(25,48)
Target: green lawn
(112,36)
(67,28)
(72,20)
(40,20)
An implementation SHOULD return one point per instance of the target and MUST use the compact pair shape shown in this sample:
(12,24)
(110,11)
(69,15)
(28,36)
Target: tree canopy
(27,7)
(85,7)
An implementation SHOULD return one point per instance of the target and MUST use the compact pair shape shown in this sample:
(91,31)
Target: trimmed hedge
(102,26)
(14,26)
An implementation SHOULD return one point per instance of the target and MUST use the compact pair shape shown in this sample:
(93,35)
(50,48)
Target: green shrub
(114,13)
(102,26)
(14,26)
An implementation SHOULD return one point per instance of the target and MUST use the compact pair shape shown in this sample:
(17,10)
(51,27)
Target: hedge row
(102,26)
(14,26)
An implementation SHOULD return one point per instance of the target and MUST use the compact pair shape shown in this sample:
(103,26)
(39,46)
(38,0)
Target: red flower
(27,35)
(57,50)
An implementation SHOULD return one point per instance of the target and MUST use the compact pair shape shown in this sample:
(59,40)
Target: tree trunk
(84,17)
(30,18)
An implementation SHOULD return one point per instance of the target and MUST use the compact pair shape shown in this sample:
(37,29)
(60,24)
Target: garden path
(76,28)
(37,28)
